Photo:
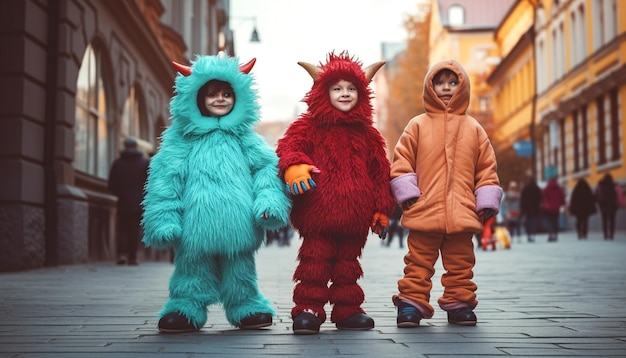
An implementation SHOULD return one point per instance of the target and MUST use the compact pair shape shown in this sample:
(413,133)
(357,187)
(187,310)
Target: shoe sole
(408,324)
(464,323)
(355,328)
(305,331)
(256,326)
(187,330)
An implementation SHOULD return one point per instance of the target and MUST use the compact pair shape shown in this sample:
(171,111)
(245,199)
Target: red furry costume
(352,185)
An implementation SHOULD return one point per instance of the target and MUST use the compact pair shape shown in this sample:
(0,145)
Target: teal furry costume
(212,191)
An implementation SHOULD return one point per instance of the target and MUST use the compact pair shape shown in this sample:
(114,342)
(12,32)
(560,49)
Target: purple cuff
(405,187)
(488,197)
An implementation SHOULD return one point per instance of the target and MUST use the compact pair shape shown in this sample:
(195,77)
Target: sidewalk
(536,300)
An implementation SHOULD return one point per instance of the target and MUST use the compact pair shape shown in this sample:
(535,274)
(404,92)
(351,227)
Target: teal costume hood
(184,109)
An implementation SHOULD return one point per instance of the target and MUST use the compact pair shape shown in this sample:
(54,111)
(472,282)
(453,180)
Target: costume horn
(313,70)
(184,70)
(371,70)
(247,67)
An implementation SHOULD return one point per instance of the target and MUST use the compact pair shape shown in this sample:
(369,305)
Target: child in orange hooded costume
(444,174)
(334,164)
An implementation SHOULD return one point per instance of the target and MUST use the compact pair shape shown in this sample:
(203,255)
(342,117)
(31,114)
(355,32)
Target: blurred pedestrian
(553,199)
(512,209)
(530,207)
(127,179)
(606,195)
(395,228)
(444,174)
(582,205)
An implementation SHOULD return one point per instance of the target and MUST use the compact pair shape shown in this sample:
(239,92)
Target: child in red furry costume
(335,166)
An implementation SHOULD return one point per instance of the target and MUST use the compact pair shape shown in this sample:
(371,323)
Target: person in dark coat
(606,195)
(530,205)
(395,229)
(126,181)
(582,205)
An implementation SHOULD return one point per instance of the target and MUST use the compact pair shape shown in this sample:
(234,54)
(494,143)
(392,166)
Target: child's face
(445,85)
(343,95)
(219,103)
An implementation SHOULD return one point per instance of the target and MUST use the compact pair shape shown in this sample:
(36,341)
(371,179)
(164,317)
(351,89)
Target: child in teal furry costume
(213,190)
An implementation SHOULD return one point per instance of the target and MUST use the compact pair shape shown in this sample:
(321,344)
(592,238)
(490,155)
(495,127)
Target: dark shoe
(462,317)
(408,316)
(256,321)
(121,260)
(306,323)
(133,262)
(356,322)
(175,322)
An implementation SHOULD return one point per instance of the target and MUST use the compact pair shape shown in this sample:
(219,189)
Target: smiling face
(218,99)
(343,95)
(445,84)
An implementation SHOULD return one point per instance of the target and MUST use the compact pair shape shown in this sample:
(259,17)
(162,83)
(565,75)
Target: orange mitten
(380,224)
(298,178)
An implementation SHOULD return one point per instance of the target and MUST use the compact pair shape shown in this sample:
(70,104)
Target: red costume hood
(339,67)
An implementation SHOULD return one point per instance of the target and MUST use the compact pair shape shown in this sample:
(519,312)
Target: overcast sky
(306,30)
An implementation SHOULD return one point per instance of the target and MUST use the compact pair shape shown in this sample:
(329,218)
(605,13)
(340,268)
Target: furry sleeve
(294,147)
(269,190)
(162,217)
(380,171)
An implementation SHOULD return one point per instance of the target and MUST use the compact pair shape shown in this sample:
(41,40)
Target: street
(566,298)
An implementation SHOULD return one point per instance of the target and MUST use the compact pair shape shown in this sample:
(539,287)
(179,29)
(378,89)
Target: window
(563,146)
(609,128)
(604,22)
(580,141)
(130,122)
(91,129)
(456,15)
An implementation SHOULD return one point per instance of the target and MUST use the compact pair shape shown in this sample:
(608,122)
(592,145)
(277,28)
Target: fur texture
(353,184)
(209,187)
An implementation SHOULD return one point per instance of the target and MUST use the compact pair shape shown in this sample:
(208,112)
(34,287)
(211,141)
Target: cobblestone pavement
(536,300)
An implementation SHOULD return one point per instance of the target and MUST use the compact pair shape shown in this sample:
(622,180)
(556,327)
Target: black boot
(256,321)
(306,323)
(175,322)
(356,322)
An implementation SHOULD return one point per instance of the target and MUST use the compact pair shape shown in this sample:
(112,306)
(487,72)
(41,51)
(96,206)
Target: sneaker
(175,322)
(306,323)
(408,316)
(462,317)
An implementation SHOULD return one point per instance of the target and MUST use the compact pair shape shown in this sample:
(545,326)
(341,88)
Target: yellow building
(561,87)
(580,50)
(512,89)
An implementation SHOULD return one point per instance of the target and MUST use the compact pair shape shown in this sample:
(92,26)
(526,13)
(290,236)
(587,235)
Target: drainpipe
(50,178)
(533,119)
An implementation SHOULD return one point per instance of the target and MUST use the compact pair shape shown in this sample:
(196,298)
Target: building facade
(79,76)
(557,92)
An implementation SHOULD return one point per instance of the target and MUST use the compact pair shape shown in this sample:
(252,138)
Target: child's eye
(453,83)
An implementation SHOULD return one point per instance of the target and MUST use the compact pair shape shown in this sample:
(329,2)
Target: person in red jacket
(444,174)
(334,164)
(553,198)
